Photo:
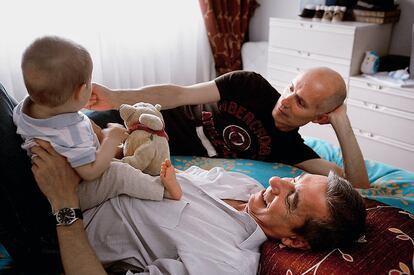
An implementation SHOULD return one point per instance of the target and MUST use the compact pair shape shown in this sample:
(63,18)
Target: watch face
(65,216)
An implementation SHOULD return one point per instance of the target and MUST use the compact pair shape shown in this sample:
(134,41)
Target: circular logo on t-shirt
(236,138)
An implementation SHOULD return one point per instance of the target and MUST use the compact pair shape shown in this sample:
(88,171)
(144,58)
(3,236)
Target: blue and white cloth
(70,134)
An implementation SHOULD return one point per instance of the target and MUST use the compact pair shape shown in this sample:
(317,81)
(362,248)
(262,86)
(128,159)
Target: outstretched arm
(168,96)
(354,166)
(59,182)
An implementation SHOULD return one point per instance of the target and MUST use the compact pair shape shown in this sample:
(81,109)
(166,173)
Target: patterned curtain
(227,23)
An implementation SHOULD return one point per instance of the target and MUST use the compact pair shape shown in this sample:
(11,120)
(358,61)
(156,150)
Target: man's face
(287,203)
(299,102)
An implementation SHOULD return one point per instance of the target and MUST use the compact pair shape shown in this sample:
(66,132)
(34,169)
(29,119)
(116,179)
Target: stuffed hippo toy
(147,145)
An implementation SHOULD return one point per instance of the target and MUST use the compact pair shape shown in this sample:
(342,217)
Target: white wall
(259,26)
(401,34)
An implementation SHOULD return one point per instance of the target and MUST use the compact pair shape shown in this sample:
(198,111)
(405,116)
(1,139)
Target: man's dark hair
(347,217)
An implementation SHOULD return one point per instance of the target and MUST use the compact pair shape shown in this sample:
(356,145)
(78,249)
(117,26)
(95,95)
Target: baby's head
(54,69)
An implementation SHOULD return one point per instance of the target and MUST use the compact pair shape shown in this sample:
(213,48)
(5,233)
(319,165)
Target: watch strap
(78,213)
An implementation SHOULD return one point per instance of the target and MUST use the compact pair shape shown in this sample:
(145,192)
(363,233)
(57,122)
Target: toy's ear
(158,107)
(126,111)
(151,121)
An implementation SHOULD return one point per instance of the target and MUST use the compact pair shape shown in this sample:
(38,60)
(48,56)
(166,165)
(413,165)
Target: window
(132,42)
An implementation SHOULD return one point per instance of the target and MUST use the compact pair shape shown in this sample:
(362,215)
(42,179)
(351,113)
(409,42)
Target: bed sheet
(389,184)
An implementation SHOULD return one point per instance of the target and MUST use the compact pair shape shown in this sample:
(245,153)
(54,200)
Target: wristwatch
(67,216)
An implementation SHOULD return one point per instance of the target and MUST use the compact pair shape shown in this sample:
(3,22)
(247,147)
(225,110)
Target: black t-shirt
(239,125)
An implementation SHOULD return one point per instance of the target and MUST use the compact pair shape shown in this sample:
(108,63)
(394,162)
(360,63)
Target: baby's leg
(172,187)
(120,178)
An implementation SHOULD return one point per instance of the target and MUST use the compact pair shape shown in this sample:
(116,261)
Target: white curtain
(132,43)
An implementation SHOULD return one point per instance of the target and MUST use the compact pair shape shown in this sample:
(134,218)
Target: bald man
(240,115)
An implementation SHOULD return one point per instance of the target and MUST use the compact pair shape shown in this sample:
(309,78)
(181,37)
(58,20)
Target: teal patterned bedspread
(389,184)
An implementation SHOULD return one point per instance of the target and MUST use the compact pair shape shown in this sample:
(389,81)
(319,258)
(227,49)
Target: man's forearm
(354,165)
(168,96)
(78,258)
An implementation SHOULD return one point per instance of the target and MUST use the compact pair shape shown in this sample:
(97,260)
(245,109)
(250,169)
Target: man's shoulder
(244,84)
(240,76)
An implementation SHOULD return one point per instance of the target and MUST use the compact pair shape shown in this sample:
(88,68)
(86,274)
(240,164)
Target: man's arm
(168,96)
(354,165)
(58,182)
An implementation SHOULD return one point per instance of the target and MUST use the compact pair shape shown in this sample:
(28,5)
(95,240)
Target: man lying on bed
(217,227)
(240,115)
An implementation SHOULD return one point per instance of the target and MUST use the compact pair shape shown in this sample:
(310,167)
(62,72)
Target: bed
(386,248)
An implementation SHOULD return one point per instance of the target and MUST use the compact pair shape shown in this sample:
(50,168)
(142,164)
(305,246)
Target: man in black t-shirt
(240,115)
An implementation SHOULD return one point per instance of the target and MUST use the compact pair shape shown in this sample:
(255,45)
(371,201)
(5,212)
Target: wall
(259,26)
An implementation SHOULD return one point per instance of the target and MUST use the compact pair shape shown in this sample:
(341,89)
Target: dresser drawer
(382,121)
(371,92)
(282,74)
(306,60)
(385,150)
(320,38)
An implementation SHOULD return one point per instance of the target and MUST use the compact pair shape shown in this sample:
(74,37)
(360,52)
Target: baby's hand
(116,132)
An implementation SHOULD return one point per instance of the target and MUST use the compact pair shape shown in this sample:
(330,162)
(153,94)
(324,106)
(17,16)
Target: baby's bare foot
(168,179)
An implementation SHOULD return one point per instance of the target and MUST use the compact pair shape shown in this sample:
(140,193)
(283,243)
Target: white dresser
(299,44)
(382,117)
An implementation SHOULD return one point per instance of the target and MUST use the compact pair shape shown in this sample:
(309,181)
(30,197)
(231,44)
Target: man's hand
(101,99)
(59,183)
(54,176)
(337,115)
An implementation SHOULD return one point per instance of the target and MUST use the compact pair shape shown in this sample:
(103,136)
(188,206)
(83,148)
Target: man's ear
(321,119)
(296,242)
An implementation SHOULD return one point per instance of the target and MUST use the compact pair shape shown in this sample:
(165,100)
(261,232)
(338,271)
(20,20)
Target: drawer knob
(371,105)
(366,134)
(373,86)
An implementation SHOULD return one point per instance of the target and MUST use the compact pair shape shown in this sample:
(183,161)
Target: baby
(57,74)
